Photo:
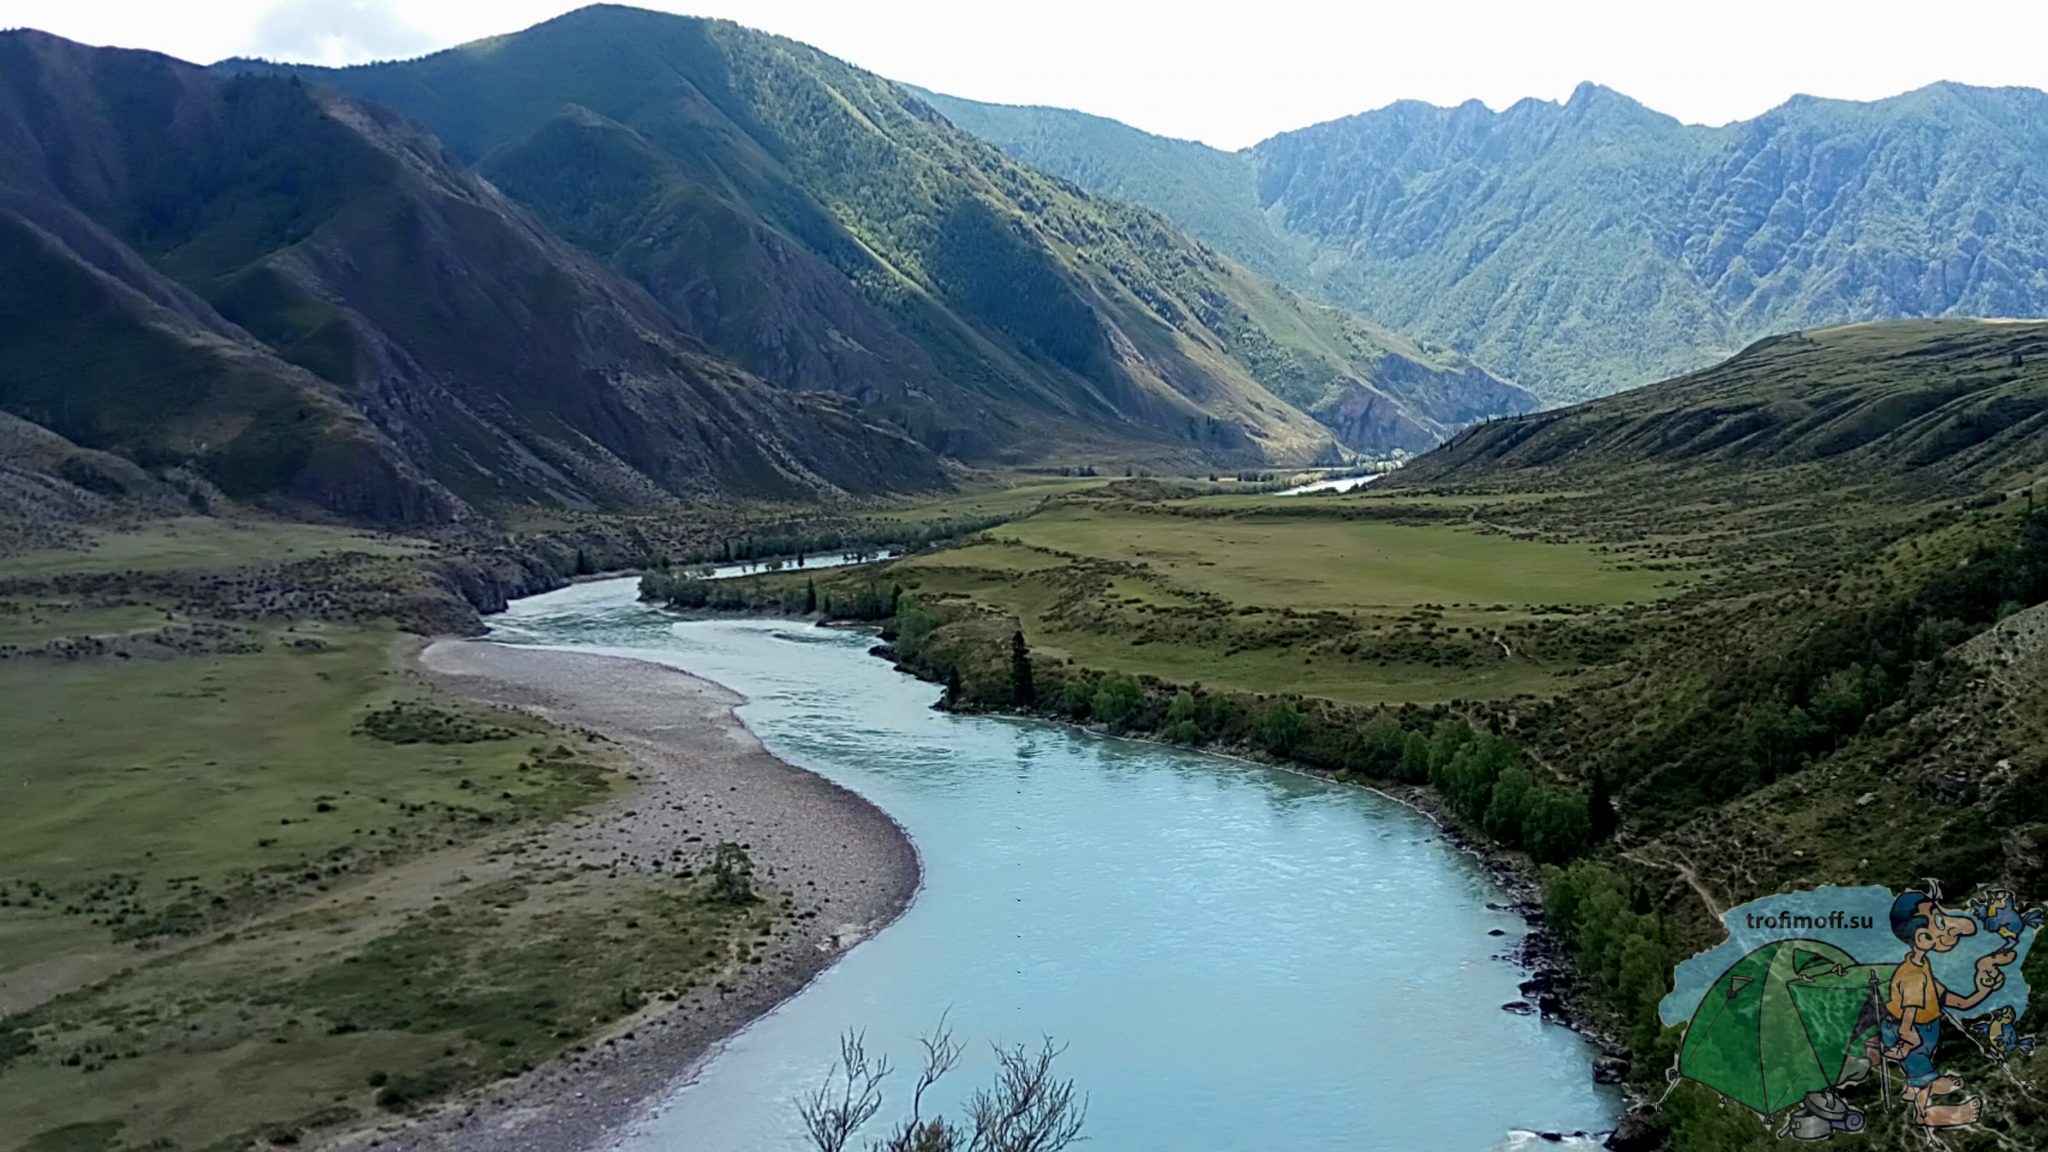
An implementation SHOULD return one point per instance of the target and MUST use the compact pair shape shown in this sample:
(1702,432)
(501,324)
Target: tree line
(792,542)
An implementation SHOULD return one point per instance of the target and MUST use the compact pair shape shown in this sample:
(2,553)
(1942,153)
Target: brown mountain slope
(303,298)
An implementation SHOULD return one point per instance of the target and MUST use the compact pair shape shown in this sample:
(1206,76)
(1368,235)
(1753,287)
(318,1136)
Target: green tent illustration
(1781,1022)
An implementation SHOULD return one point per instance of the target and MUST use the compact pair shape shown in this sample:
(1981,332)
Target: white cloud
(1228,73)
(337,32)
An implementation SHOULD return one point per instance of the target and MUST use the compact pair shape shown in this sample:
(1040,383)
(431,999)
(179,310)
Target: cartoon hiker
(2000,912)
(1999,1028)
(1911,1025)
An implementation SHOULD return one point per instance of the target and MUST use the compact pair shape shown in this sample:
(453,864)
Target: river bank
(700,778)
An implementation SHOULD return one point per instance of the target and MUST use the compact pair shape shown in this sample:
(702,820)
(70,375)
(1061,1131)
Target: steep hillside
(1595,245)
(826,229)
(1211,193)
(296,297)
(1945,406)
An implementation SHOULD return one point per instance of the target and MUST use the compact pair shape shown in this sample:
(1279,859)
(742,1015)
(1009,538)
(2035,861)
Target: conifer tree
(1022,688)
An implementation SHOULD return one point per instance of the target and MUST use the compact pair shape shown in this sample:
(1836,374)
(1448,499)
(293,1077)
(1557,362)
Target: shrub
(1282,728)
(732,875)
(1116,697)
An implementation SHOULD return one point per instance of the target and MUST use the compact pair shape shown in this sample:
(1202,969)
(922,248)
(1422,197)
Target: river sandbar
(702,778)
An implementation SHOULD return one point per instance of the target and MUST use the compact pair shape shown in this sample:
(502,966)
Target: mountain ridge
(1938,408)
(1592,244)
(292,297)
(966,299)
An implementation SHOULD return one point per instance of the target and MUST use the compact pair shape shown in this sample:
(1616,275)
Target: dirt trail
(1685,873)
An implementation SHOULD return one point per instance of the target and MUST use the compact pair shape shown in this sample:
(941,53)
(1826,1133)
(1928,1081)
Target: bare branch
(941,1055)
(1028,1110)
(849,1097)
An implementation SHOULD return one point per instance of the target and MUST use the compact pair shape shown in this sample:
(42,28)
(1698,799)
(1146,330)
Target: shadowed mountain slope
(296,297)
(826,229)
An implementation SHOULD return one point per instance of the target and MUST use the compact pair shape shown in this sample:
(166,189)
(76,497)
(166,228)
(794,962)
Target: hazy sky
(1227,73)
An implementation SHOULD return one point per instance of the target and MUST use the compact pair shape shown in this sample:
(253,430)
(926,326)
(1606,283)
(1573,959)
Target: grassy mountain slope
(297,296)
(1945,406)
(1594,245)
(1778,625)
(826,229)
(1211,193)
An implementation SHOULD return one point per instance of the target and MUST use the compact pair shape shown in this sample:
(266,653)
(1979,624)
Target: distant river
(1238,959)
(1339,484)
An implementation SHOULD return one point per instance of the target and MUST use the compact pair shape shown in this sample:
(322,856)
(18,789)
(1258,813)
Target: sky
(1229,74)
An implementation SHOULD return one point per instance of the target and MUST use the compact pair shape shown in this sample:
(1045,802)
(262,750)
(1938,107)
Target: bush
(1116,697)
(402,1092)
(732,875)
(1077,697)
(1281,730)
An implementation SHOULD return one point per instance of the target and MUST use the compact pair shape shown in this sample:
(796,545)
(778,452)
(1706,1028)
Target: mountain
(1594,245)
(1947,408)
(1211,193)
(283,295)
(825,229)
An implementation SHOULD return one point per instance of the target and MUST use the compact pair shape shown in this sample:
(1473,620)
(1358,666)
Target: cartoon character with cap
(1911,1025)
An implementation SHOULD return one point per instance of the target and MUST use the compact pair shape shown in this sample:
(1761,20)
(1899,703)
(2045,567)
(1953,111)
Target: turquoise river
(1236,958)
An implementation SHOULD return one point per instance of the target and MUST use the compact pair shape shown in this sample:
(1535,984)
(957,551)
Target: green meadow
(276,885)
(1328,563)
(202,542)
(1247,593)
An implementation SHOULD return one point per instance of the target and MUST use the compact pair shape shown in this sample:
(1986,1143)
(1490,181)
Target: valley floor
(701,778)
(275,872)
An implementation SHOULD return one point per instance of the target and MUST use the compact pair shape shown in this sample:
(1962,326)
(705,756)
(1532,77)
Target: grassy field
(168,793)
(33,619)
(1315,564)
(1015,499)
(1262,594)
(202,542)
(274,884)
(359,1006)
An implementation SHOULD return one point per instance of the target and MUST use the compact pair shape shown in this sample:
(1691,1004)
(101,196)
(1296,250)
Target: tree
(810,594)
(1557,825)
(1182,727)
(1601,819)
(1023,689)
(1077,697)
(1509,806)
(1467,780)
(1026,1109)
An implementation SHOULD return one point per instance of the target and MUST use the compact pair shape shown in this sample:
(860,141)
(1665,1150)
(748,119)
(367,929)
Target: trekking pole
(1884,1066)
